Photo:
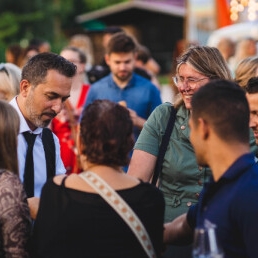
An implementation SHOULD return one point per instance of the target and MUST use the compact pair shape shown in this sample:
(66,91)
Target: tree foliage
(37,18)
(51,20)
(97,4)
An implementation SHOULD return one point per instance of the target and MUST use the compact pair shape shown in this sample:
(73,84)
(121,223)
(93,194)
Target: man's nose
(57,106)
(122,66)
(184,86)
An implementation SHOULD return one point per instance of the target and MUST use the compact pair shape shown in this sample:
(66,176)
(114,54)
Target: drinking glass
(205,244)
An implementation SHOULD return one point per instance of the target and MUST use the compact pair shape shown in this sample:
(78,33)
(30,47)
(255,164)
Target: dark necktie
(29,165)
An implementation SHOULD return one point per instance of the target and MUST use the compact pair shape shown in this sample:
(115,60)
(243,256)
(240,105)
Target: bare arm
(137,120)
(178,232)
(142,165)
(33,203)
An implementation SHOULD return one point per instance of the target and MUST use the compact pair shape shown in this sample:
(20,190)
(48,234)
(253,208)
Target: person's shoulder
(160,114)
(246,188)
(143,81)
(59,178)
(53,184)
(10,181)
(151,191)
(142,72)
(101,82)
(164,108)
(6,174)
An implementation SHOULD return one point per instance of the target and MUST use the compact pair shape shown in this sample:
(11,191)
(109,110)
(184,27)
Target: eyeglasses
(191,82)
(2,68)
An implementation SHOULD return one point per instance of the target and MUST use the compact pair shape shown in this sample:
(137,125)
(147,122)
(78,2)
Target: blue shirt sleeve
(192,216)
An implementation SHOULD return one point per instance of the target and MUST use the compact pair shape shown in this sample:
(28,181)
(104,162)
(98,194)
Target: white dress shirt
(40,172)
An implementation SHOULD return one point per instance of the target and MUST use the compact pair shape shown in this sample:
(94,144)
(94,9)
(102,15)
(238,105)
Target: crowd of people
(81,144)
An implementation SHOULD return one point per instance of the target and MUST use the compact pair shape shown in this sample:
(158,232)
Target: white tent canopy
(235,32)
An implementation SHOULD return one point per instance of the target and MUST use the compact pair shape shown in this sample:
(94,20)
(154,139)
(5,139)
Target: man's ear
(25,87)
(204,128)
(107,59)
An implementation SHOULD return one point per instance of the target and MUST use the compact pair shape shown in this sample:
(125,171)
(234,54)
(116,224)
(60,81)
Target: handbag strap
(122,208)
(164,145)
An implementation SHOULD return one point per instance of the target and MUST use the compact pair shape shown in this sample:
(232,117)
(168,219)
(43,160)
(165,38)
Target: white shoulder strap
(122,208)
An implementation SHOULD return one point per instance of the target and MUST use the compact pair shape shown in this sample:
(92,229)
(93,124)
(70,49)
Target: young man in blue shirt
(220,136)
(138,94)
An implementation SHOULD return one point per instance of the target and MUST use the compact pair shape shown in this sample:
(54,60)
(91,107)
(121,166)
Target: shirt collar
(23,124)
(130,83)
(183,112)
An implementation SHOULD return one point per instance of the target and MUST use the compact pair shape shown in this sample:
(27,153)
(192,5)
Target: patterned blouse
(15,221)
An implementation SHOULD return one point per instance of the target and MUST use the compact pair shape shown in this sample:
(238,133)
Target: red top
(64,126)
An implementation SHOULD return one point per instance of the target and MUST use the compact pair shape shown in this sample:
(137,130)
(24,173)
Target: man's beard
(125,77)
(34,118)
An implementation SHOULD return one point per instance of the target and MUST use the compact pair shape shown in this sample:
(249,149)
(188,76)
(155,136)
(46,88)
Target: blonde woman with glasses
(181,179)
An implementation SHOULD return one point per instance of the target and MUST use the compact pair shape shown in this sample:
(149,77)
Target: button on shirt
(232,204)
(40,173)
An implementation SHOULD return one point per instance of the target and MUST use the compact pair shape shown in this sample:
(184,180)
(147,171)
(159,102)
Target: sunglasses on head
(3,69)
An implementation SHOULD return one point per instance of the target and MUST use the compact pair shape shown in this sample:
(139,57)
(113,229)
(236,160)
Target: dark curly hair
(106,133)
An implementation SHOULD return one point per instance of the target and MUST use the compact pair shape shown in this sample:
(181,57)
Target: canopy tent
(235,32)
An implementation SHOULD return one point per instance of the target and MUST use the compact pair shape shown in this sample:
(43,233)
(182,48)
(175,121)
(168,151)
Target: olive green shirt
(181,179)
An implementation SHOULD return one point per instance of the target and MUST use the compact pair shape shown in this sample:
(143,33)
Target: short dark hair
(224,105)
(252,85)
(121,43)
(35,70)
(106,133)
(37,42)
(143,53)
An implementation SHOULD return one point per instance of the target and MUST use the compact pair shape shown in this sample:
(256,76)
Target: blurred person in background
(143,55)
(226,47)
(14,54)
(10,76)
(29,52)
(98,71)
(247,69)
(138,94)
(41,44)
(83,42)
(252,97)
(64,125)
(244,48)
